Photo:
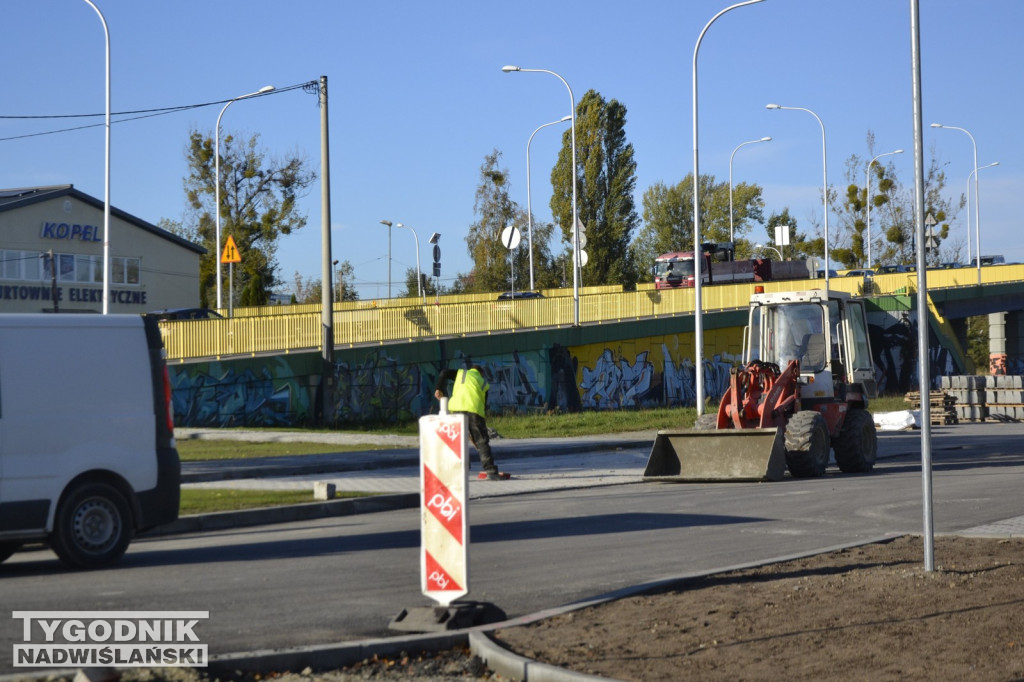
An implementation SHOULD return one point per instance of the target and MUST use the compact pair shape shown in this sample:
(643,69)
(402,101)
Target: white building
(150,268)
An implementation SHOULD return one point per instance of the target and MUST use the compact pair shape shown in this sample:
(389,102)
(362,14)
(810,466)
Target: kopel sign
(125,639)
(444,547)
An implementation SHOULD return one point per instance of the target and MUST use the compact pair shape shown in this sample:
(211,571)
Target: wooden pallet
(942,403)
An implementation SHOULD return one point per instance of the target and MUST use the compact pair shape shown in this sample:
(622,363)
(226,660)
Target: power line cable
(130,115)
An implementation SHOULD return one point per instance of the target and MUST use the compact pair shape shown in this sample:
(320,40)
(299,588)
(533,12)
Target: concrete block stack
(1006,398)
(970,394)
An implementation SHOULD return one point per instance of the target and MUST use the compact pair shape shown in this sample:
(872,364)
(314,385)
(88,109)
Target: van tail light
(168,405)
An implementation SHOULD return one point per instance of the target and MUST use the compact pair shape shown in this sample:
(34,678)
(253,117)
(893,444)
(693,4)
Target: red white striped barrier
(444,484)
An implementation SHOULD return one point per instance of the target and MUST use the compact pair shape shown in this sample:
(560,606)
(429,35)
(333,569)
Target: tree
(258,205)
(491,259)
(893,232)
(310,290)
(800,246)
(495,210)
(345,282)
(428,284)
(668,217)
(606,176)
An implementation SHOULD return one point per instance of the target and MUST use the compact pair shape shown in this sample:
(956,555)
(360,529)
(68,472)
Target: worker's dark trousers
(478,433)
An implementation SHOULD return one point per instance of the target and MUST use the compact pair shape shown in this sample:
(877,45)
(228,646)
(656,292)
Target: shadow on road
(285,548)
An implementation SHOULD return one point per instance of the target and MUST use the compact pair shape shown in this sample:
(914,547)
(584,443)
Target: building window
(12,264)
(65,267)
(88,269)
(33,266)
(124,270)
(20,265)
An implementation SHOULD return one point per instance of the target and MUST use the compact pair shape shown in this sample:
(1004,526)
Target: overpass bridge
(632,348)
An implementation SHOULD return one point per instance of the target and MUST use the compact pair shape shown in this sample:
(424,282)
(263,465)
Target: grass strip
(209,500)
(195,449)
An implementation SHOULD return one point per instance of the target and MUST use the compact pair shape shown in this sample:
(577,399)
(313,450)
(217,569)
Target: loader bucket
(717,455)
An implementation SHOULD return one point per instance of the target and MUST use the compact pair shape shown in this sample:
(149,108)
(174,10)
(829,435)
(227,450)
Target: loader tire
(857,445)
(807,444)
(706,422)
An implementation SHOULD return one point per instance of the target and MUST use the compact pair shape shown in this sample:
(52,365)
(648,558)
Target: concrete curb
(329,656)
(516,667)
(286,513)
(380,459)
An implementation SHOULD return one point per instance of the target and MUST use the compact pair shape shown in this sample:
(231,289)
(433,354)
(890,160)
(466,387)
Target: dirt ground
(866,613)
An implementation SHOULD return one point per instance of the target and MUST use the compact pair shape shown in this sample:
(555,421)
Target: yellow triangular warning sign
(231,253)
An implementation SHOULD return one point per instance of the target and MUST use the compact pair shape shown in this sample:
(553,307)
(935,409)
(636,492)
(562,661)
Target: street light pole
(765,246)
(977,197)
(419,287)
(996,163)
(388,223)
(824,170)
(867,190)
(216,192)
(575,219)
(698,322)
(741,144)
(106,191)
(529,207)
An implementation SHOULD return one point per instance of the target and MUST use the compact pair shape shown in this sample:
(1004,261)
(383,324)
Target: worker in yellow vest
(469,397)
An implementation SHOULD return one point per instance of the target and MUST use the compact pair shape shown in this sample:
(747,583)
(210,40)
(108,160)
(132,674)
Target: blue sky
(418,98)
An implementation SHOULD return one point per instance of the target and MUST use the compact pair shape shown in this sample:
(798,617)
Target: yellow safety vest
(468,392)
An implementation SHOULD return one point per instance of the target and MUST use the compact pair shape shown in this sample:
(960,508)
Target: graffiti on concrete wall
(379,388)
(894,344)
(617,382)
(516,382)
(224,394)
(651,372)
(380,385)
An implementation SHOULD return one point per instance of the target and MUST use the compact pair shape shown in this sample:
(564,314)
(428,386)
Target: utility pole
(53,280)
(326,299)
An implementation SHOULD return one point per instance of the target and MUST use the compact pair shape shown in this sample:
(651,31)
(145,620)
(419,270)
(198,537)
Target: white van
(87,451)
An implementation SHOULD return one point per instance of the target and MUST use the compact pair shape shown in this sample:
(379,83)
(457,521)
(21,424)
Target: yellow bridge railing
(285,329)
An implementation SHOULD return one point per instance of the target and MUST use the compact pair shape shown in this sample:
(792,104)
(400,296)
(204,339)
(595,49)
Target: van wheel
(7,549)
(93,526)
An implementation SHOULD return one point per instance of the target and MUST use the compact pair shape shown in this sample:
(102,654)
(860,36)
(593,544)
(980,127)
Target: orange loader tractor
(802,392)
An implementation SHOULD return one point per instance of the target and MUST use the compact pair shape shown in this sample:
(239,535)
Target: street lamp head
(399,225)
(434,237)
(266,88)
(509,69)
(937,125)
(386,222)
(765,139)
(772,106)
(898,151)
(565,118)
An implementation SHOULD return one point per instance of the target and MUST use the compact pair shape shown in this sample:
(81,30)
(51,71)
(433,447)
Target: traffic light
(437,254)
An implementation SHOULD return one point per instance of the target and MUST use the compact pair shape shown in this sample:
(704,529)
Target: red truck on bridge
(676,270)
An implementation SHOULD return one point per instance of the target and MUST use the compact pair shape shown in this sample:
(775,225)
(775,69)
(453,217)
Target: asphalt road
(338,579)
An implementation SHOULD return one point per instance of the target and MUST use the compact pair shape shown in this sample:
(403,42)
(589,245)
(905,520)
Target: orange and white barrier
(444,487)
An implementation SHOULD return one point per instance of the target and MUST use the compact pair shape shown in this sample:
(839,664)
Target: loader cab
(826,333)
